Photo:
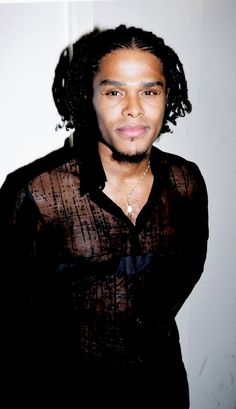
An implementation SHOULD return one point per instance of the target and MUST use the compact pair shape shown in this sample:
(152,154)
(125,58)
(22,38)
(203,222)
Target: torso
(84,248)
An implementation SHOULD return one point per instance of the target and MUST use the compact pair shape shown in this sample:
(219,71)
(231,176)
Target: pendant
(129,209)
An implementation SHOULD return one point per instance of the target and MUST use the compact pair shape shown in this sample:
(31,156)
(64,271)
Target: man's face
(129,100)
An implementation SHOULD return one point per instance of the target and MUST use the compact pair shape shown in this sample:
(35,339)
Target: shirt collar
(92,174)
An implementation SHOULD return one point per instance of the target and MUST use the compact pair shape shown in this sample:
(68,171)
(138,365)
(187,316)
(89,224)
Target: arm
(179,269)
(18,220)
(195,236)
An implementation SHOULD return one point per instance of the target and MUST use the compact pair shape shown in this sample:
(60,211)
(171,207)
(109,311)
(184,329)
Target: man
(106,237)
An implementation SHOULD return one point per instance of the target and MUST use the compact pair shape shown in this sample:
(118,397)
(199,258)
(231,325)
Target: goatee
(124,157)
(128,158)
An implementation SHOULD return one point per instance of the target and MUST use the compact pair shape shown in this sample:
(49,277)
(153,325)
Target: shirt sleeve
(178,272)
(18,221)
(195,238)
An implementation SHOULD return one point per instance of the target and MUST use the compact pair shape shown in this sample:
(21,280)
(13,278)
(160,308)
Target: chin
(128,157)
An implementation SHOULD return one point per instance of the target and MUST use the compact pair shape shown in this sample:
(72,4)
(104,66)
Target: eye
(151,92)
(112,93)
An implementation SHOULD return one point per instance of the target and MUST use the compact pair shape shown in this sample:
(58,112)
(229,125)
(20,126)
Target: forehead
(130,62)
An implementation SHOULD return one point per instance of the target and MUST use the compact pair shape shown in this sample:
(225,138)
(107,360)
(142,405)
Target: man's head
(73,87)
(129,98)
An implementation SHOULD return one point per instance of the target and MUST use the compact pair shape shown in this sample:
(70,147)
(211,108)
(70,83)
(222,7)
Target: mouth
(132,131)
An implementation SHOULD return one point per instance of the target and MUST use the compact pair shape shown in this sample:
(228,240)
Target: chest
(99,230)
(130,197)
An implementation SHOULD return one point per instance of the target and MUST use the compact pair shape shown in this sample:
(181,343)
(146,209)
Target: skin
(129,100)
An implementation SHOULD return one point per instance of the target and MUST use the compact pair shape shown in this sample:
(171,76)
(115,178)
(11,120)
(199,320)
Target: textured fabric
(87,288)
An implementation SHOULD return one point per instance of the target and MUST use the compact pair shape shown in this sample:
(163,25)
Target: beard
(122,157)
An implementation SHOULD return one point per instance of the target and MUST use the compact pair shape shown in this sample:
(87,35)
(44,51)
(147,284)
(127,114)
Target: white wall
(203,33)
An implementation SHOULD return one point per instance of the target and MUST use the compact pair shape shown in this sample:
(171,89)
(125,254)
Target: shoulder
(182,173)
(169,159)
(22,176)
(17,186)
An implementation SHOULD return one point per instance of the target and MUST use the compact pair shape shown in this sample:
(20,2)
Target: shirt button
(140,358)
(139,321)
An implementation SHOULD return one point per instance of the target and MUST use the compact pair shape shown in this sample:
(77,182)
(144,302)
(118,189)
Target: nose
(132,107)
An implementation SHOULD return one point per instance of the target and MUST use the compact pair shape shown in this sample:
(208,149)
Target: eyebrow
(120,84)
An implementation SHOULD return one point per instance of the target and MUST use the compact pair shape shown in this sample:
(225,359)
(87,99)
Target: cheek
(107,115)
(156,114)
(103,119)
(100,109)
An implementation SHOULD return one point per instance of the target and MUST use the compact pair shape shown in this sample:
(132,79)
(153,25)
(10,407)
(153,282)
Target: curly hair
(73,82)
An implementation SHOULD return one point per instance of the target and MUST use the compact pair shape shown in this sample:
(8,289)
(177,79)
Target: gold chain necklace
(128,203)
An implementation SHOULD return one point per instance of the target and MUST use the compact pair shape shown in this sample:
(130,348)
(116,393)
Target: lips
(132,131)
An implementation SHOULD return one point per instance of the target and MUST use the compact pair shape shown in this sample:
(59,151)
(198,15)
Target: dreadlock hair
(73,83)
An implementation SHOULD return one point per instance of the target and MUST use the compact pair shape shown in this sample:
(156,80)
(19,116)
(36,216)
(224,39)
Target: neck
(127,184)
(121,171)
